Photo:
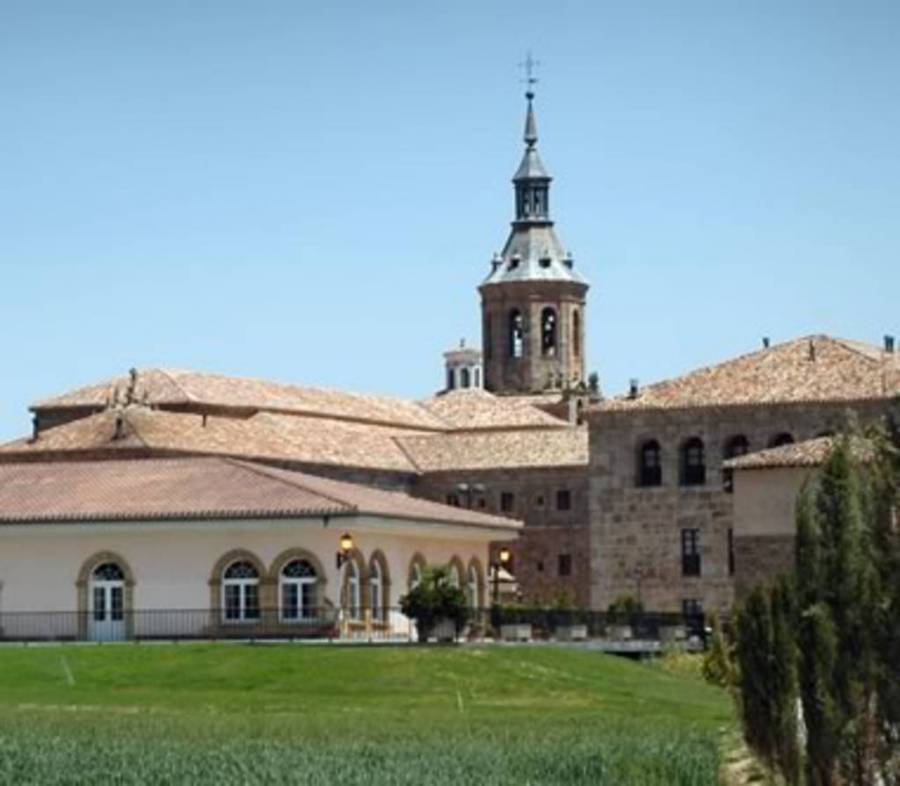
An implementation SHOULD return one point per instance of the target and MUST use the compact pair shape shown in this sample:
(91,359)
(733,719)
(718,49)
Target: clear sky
(311,192)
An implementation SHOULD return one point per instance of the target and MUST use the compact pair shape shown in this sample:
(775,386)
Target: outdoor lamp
(505,556)
(346,548)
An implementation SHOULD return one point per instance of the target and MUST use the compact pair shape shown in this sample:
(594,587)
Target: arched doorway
(106,600)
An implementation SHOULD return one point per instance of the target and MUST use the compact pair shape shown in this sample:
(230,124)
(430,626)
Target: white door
(107,604)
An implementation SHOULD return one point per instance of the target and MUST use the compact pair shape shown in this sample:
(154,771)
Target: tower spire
(530,64)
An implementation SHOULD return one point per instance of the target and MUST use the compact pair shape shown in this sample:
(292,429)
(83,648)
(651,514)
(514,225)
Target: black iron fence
(383,625)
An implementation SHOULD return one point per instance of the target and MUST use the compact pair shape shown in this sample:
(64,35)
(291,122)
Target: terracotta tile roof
(201,488)
(269,436)
(470,410)
(810,453)
(499,449)
(169,388)
(814,368)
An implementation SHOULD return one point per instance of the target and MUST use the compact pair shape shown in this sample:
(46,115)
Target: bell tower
(533,300)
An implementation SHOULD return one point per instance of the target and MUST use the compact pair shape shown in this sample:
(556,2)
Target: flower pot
(571,633)
(518,632)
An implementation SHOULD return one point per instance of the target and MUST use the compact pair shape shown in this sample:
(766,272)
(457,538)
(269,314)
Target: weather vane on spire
(530,65)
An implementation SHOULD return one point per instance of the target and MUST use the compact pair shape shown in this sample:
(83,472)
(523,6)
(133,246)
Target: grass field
(213,714)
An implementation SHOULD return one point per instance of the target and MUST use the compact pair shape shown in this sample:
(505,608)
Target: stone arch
(82,587)
(267,587)
(289,555)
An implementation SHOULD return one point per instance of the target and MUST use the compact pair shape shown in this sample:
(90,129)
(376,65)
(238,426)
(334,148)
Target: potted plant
(436,605)
(619,616)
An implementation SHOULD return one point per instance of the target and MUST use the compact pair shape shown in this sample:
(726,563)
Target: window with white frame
(298,590)
(240,592)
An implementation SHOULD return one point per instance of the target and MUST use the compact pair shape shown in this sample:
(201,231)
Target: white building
(219,547)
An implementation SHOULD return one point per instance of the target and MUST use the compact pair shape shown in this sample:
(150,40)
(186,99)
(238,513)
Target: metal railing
(385,625)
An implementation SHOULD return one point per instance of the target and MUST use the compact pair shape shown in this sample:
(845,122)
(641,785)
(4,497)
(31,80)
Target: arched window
(649,464)
(465,377)
(240,592)
(548,332)
(576,332)
(456,572)
(477,377)
(693,463)
(516,334)
(473,587)
(784,438)
(451,379)
(379,585)
(298,590)
(738,445)
(416,568)
(353,589)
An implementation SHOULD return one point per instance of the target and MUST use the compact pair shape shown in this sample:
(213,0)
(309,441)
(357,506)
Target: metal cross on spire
(529,64)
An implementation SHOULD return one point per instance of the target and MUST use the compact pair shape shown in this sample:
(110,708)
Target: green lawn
(203,714)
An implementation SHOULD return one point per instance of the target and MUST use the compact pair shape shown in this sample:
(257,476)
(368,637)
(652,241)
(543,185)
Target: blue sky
(311,192)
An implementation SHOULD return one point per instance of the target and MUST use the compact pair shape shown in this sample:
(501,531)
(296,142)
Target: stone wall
(533,371)
(636,532)
(549,533)
(759,559)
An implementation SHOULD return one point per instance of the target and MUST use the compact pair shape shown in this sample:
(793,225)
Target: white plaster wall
(172,562)
(764,500)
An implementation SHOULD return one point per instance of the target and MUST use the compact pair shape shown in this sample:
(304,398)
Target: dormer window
(545,262)
(514,262)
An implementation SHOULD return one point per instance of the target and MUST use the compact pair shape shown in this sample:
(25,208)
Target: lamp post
(504,556)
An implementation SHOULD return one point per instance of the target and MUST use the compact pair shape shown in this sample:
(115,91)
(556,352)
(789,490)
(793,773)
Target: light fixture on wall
(346,547)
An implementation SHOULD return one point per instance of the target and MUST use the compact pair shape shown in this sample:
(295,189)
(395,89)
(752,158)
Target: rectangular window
(690,552)
(99,604)
(117,610)
(507,501)
(232,602)
(563,499)
(564,565)
(251,602)
(289,602)
(453,500)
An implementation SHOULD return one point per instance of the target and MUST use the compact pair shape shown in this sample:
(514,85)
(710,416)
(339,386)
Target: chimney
(812,351)
(119,433)
(765,342)
(633,389)
(35,429)
(889,344)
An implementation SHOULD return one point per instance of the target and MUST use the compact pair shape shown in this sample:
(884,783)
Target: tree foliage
(829,638)
(433,600)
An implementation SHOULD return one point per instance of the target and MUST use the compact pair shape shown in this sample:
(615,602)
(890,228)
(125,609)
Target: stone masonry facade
(637,541)
(551,558)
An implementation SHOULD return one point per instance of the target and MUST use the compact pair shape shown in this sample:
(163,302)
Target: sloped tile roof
(264,436)
(158,387)
(809,453)
(498,450)
(814,368)
(201,488)
(470,410)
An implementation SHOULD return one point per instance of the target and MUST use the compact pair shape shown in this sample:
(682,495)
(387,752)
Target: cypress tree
(783,686)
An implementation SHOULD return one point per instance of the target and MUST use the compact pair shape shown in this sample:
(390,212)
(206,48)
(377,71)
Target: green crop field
(219,714)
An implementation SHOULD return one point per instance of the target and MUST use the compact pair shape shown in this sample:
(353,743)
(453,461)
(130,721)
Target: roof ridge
(398,441)
(261,470)
(168,374)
